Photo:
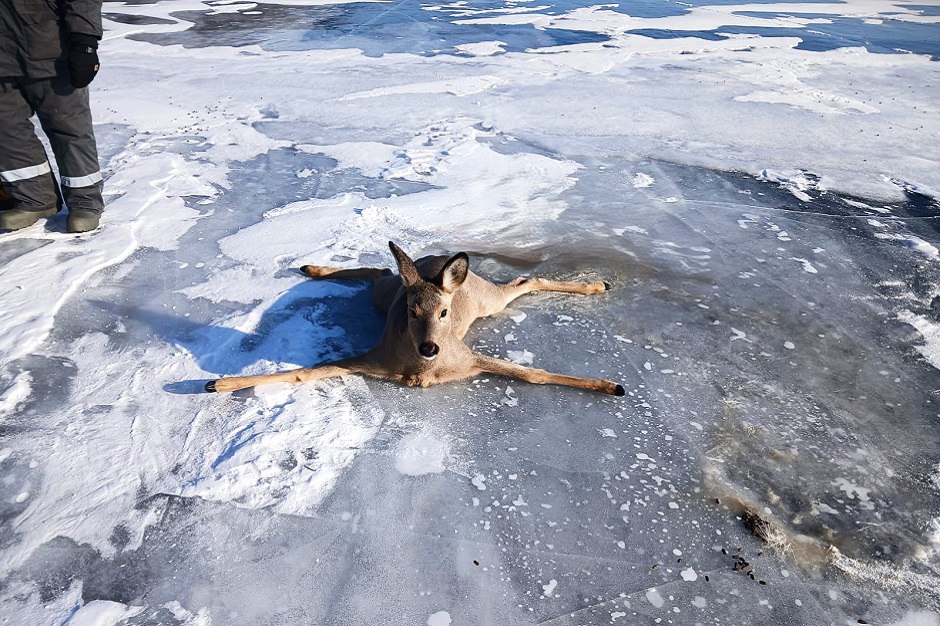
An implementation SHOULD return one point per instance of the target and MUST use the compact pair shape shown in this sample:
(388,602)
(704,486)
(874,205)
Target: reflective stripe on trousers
(81,181)
(25,173)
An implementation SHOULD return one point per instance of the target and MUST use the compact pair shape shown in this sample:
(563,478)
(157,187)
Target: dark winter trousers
(65,117)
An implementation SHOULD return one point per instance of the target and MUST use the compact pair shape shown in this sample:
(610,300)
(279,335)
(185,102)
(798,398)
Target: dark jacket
(34,34)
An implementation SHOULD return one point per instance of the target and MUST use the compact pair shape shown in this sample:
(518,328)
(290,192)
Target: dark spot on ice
(758,526)
(136,20)
(475,562)
(289,462)
(935,308)
(120,537)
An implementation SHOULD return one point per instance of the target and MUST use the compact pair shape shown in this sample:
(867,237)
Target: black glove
(83,59)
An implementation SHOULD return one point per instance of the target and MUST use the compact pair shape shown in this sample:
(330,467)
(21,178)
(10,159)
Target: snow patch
(653,597)
(421,453)
(285,449)
(549,589)
(103,613)
(441,618)
(630,229)
(813,100)
(918,618)
(642,181)
(464,86)
(482,48)
(522,357)
(16,393)
(796,182)
(856,492)
(808,267)
(930,331)
(912,241)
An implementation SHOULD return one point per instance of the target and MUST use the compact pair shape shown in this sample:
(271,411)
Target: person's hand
(83,59)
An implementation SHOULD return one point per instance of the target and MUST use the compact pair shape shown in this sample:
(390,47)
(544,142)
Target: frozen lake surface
(759,184)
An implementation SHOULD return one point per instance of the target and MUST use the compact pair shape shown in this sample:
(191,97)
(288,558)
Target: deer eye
(443,313)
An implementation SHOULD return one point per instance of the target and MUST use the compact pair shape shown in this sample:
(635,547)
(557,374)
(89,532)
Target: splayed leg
(542,377)
(355,365)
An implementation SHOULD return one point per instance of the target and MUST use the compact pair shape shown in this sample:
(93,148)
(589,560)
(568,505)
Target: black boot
(82,220)
(15,219)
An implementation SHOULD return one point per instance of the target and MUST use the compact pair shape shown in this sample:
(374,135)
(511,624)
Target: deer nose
(429,349)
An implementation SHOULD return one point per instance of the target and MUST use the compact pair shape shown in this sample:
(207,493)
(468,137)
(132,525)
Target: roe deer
(429,309)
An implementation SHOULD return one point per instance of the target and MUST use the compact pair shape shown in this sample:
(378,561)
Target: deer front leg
(356,365)
(541,377)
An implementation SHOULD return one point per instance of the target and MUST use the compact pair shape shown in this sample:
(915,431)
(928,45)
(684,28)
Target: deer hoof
(606,286)
(619,391)
(210,386)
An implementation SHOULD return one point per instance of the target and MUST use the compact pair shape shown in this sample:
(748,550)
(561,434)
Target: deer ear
(454,272)
(406,267)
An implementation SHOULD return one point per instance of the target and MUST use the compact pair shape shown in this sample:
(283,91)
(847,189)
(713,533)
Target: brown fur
(429,308)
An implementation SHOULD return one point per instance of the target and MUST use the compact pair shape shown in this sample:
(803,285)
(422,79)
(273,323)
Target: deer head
(429,300)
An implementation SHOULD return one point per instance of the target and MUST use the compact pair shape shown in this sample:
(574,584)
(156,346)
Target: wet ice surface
(777,338)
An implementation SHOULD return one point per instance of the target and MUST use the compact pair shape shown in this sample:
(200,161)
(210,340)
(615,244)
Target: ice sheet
(766,215)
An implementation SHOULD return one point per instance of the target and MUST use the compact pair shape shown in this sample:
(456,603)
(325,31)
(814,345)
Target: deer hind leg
(338,273)
(521,286)
(355,365)
(541,377)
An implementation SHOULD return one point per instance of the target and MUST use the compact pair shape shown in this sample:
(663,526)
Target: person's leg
(6,200)
(24,166)
(65,116)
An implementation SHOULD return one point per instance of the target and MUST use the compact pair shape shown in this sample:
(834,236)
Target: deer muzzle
(429,349)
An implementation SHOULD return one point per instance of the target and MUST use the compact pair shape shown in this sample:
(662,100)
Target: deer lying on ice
(429,310)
